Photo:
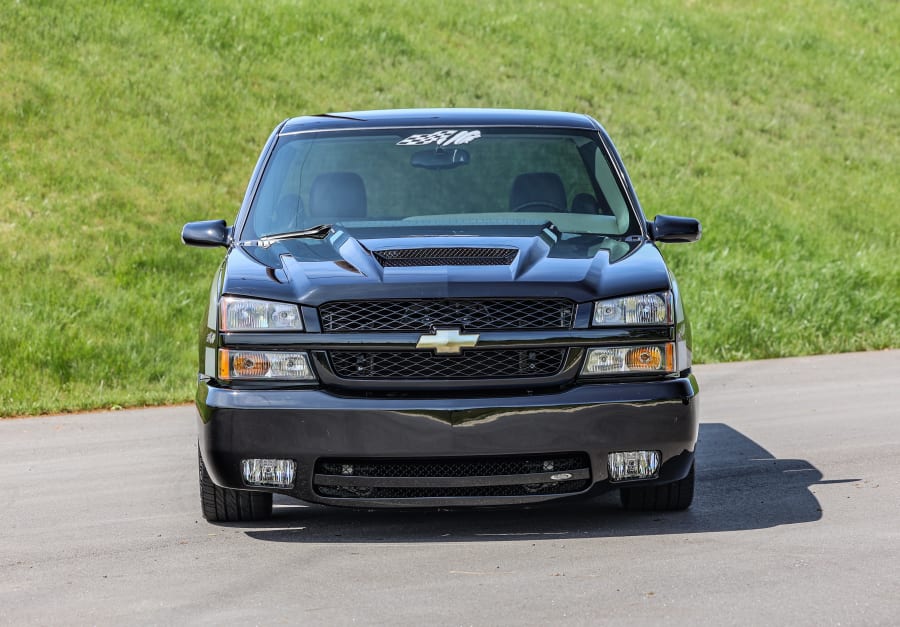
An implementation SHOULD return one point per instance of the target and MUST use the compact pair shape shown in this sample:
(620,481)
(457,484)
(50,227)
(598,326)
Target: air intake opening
(522,476)
(455,256)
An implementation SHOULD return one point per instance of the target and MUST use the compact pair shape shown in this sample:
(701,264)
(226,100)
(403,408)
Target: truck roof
(438,118)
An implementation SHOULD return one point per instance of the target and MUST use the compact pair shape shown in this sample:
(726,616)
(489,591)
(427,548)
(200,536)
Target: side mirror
(207,233)
(673,229)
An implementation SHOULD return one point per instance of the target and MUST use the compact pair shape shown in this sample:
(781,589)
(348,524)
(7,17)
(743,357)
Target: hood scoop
(445,256)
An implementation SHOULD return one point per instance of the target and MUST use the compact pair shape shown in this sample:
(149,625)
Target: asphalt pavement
(796,520)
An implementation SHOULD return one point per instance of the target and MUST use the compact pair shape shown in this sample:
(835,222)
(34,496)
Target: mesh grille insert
(454,467)
(422,315)
(560,487)
(471,364)
(336,470)
(457,256)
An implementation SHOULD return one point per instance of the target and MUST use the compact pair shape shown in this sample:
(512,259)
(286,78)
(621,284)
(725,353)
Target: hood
(499,262)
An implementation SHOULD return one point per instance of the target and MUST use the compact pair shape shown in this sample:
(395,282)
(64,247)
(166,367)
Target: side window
(276,205)
(611,190)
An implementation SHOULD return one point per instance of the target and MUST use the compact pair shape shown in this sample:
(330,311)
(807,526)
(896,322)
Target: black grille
(558,487)
(414,257)
(472,364)
(504,476)
(422,315)
(454,467)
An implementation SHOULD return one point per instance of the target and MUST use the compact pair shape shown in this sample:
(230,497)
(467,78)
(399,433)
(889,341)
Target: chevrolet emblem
(447,341)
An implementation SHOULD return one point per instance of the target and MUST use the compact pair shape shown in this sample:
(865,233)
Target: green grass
(777,124)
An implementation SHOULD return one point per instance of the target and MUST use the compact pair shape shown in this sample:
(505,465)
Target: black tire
(227,505)
(674,496)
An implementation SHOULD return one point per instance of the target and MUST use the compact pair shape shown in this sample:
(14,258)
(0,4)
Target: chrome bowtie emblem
(447,341)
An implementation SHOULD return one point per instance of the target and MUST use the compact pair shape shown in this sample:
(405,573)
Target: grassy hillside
(778,125)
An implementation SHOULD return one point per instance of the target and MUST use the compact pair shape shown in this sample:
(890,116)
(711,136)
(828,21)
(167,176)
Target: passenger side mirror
(206,234)
(674,229)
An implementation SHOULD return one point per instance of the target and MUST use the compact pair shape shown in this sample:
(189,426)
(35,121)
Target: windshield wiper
(315,232)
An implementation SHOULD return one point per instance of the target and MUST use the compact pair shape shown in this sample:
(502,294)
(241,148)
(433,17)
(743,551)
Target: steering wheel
(527,206)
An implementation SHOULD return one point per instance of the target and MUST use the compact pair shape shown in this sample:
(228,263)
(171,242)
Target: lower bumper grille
(532,475)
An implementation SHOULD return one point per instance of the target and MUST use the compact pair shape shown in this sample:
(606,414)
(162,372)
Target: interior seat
(283,218)
(586,203)
(336,195)
(287,213)
(538,191)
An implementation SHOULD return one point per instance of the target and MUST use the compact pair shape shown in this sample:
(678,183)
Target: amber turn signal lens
(644,358)
(246,364)
(224,364)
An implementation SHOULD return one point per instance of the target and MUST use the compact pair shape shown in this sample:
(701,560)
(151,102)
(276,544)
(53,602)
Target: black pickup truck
(441,308)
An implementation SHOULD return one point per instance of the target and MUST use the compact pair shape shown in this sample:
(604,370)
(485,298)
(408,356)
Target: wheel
(227,505)
(669,496)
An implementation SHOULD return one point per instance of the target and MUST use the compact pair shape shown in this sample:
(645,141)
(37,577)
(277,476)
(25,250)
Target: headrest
(337,195)
(537,191)
(587,203)
(584,203)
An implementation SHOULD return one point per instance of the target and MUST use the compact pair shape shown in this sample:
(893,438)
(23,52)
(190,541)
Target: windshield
(396,178)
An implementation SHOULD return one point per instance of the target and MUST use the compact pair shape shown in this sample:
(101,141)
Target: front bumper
(308,425)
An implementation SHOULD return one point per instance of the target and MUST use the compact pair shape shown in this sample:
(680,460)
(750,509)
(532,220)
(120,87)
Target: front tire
(674,496)
(226,505)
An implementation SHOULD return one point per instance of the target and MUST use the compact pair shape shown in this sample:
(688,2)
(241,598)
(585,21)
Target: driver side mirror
(674,229)
(207,233)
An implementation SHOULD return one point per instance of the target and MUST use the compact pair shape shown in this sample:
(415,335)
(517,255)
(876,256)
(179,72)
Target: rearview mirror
(207,233)
(674,229)
(440,159)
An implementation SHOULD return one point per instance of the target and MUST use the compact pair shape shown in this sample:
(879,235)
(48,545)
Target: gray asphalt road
(795,521)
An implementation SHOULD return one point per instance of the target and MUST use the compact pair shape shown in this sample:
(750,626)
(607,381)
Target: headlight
(653,358)
(643,309)
(234,364)
(249,314)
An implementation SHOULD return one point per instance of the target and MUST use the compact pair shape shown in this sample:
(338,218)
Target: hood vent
(455,256)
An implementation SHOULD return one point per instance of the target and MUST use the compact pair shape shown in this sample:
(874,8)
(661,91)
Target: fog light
(633,465)
(269,473)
